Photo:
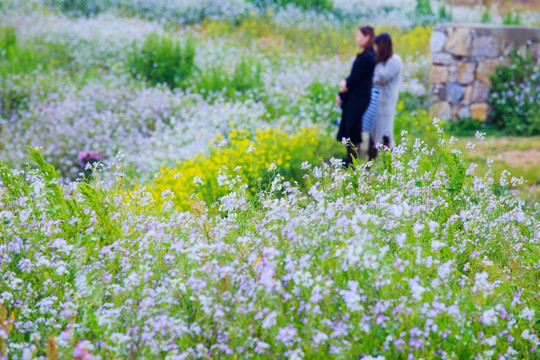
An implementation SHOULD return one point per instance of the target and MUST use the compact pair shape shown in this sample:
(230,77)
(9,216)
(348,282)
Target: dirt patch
(525,158)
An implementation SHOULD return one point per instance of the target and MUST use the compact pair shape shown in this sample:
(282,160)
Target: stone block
(479,111)
(509,48)
(465,72)
(487,67)
(438,91)
(438,39)
(458,42)
(438,74)
(467,96)
(442,110)
(454,92)
(480,92)
(464,112)
(452,72)
(485,46)
(442,58)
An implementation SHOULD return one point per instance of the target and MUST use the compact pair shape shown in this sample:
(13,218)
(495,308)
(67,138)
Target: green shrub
(82,8)
(486,16)
(12,98)
(17,58)
(303,4)
(512,18)
(245,76)
(163,60)
(8,42)
(309,4)
(515,97)
(444,13)
(423,8)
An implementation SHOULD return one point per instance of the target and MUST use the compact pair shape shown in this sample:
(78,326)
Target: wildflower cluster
(243,158)
(413,258)
(515,96)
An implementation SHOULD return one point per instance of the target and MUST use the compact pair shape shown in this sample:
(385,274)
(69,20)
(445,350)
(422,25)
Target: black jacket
(356,100)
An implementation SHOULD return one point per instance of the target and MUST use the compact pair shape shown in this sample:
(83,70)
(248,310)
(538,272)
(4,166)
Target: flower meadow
(170,188)
(418,259)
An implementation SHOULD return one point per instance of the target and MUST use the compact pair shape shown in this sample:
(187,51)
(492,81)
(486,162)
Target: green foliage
(308,4)
(423,8)
(82,8)
(468,127)
(412,117)
(24,58)
(8,41)
(21,64)
(244,77)
(445,13)
(320,100)
(515,96)
(486,15)
(304,4)
(512,18)
(163,60)
(11,99)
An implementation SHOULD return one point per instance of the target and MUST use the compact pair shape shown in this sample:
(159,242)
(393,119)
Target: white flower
(445,270)
(527,313)
(417,227)
(489,317)
(470,170)
(287,335)
(269,320)
(319,337)
(416,289)
(222,143)
(436,245)
(166,193)
(352,296)
(400,239)
(480,136)
(481,283)
(197,180)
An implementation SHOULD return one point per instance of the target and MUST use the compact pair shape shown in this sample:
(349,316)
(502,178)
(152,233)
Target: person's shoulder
(396,58)
(370,56)
(366,54)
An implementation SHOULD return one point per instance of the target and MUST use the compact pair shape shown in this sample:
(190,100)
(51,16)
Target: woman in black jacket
(355,92)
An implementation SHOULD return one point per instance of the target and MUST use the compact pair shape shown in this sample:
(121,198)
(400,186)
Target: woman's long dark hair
(368,31)
(384,47)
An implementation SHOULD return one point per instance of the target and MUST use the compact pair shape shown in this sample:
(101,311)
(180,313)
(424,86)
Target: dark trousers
(372,150)
(352,153)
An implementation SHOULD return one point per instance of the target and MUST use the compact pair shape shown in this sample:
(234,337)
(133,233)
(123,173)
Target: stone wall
(463,59)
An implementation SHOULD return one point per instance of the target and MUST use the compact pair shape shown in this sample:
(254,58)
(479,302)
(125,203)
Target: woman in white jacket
(388,76)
